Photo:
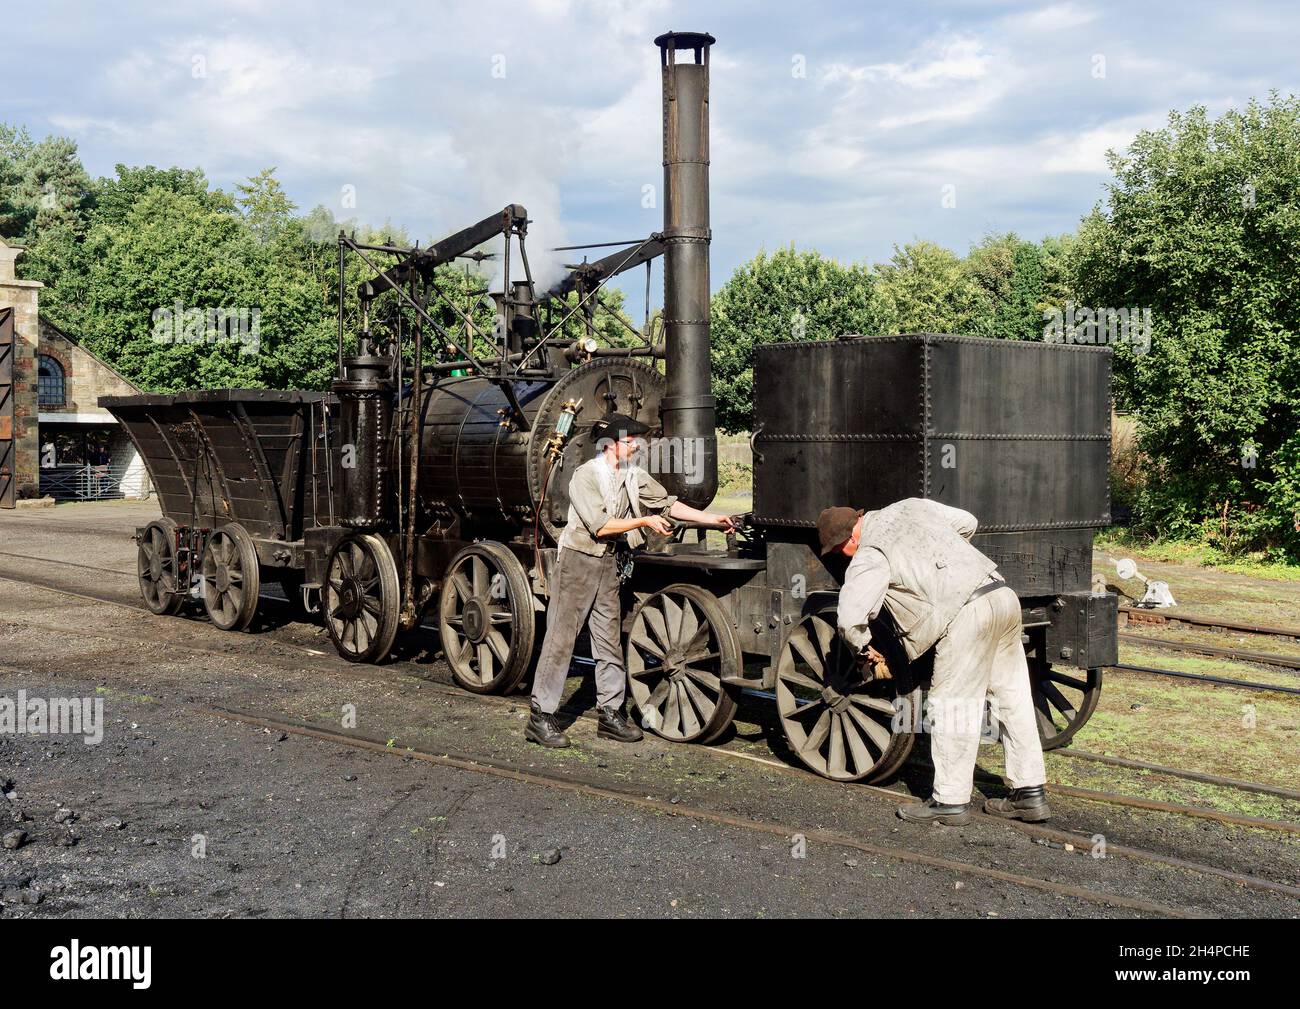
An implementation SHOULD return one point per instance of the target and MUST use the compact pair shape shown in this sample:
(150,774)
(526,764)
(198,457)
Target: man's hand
(721,521)
(658,523)
(869,657)
(873,665)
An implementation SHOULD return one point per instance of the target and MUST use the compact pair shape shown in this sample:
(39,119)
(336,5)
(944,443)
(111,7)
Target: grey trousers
(580,585)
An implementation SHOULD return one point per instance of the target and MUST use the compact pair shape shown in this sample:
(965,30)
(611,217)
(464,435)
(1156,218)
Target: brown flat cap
(835,525)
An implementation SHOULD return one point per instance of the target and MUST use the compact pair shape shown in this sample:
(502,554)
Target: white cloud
(943,62)
(1086,151)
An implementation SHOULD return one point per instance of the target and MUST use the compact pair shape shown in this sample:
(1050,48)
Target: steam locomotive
(431,482)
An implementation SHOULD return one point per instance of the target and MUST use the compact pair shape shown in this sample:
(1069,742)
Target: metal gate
(8,451)
(83,483)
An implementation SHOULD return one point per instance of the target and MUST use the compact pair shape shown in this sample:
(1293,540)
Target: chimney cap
(685,40)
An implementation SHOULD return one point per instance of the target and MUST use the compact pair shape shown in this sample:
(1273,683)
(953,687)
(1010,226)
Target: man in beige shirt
(914,559)
(610,499)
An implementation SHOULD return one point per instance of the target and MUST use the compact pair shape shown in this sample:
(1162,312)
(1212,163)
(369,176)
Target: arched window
(49,382)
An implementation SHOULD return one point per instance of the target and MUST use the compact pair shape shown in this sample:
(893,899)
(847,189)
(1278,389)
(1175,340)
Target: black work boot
(614,725)
(931,811)
(542,729)
(1028,804)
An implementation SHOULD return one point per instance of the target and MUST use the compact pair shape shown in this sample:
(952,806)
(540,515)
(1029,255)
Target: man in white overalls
(914,559)
(609,498)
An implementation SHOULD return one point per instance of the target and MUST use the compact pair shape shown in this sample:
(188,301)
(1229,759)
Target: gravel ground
(179,813)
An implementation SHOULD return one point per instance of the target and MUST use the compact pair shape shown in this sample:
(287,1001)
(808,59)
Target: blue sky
(438,113)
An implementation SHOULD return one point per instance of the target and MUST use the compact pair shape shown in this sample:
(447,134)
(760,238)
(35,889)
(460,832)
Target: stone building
(54,437)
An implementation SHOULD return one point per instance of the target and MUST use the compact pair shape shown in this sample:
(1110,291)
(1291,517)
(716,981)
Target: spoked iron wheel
(839,725)
(156,568)
(231,578)
(1063,702)
(681,646)
(487,619)
(361,598)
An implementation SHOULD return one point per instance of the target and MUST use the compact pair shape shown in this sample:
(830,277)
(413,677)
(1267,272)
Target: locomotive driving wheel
(361,598)
(840,725)
(681,646)
(156,568)
(1063,702)
(231,578)
(487,619)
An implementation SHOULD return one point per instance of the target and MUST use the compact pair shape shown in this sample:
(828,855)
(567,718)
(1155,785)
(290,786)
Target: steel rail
(1259,658)
(1204,678)
(1196,620)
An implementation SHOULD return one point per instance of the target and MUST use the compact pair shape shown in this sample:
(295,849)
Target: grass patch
(1201,555)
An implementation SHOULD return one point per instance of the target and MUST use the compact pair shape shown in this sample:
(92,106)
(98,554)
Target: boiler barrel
(491,474)
(471,463)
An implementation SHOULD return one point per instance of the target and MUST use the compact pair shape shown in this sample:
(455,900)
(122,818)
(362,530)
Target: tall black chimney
(688,409)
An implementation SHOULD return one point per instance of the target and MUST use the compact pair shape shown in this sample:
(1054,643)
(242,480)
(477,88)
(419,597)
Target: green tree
(1011,279)
(1202,226)
(15,148)
(55,190)
(266,207)
(114,198)
(788,295)
(172,254)
(925,288)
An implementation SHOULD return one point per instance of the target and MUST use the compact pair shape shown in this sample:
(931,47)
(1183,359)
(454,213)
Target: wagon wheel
(1063,702)
(156,568)
(487,619)
(361,598)
(681,647)
(837,724)
(231,578)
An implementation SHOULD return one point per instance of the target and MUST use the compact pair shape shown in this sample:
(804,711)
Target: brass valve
(563,428)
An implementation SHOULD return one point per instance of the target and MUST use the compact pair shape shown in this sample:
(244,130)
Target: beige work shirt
(914,558)
(598,493)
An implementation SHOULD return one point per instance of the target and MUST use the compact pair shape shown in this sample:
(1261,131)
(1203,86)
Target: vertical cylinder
(688,409)
(365,394)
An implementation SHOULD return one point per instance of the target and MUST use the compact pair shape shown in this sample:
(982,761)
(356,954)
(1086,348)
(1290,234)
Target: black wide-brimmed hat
(617,425)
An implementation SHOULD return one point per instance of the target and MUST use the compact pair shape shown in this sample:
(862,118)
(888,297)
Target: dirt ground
(180,813)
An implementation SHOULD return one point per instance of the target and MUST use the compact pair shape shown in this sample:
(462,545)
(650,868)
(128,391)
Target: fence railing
(83,483)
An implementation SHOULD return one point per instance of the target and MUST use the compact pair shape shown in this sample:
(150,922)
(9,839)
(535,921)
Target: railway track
(1141,616)
(297,657)
(312,656)
(1236,654)
(1125,667)
(1222,681)
(322,658)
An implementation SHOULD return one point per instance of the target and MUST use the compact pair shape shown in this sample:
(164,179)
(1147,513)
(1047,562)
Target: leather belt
(985,589)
